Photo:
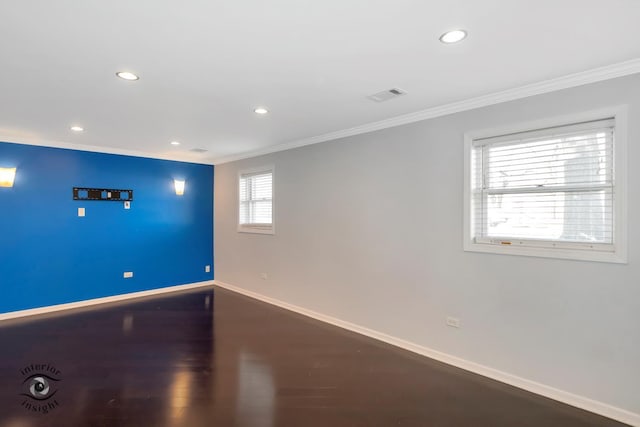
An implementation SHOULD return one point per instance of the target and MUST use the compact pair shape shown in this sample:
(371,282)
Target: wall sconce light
(7,176)
(179,184)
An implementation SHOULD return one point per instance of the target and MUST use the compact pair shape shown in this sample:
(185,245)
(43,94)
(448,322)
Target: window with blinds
(552,188)
(256,201)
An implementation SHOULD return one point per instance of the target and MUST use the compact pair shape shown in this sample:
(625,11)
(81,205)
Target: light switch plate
(81,212)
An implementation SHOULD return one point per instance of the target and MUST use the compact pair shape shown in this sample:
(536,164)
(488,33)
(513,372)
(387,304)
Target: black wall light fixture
(102,194)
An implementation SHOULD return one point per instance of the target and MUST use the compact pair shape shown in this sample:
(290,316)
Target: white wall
(369,230)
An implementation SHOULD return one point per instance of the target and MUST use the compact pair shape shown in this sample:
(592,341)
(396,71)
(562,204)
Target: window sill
(256,230)
(616,257)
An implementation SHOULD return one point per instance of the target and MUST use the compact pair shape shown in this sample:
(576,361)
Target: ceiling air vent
(198,150)
(386,95)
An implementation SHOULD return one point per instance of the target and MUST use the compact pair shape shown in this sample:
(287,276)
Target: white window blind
(547,188)
(256,201)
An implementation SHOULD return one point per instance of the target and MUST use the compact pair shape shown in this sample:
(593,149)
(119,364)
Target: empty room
(340,213)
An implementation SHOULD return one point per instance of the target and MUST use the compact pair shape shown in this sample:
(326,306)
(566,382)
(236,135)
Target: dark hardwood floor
(215,358)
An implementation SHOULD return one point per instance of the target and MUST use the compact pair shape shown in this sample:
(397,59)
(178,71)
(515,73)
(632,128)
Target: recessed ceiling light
(77,128)
(175,143)
(261,110)
(127,75)
(453,36)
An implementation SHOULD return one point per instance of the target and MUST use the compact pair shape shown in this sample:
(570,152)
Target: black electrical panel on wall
(102,194)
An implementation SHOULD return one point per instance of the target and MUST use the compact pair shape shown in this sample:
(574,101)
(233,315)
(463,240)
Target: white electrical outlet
(128,274)
(264,276)
(207,269)
(81,212)
(454,322)
(127,205)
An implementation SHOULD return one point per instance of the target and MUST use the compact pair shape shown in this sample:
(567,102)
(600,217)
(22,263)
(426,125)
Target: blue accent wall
(49,255)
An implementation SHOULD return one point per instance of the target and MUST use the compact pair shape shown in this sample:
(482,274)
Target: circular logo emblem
(39,387)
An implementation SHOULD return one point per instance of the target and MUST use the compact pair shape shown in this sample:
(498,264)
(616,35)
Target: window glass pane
(244,189)
(262,212)
(244,212)
(552,187)
(572,160)
(565,216)
(261,187)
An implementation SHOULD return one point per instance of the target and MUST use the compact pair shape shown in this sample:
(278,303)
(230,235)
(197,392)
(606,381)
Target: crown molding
(99,149)
(608,72)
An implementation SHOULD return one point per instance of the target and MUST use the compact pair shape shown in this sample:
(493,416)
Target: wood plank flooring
(215,358)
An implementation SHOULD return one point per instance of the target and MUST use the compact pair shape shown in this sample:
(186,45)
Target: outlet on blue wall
(49,255)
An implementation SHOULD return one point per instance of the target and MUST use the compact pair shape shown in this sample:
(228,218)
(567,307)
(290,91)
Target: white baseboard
(104,300)
(581,402)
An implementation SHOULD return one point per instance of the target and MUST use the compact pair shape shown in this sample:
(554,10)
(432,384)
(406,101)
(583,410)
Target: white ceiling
(205,65)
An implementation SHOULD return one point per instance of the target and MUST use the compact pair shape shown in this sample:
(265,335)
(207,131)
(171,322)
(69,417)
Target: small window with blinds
(256,201)
(545,192)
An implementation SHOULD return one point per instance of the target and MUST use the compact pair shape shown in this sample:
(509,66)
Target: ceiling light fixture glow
(261,110)
(127,75)
(175,143)
(77,128)
(453,36)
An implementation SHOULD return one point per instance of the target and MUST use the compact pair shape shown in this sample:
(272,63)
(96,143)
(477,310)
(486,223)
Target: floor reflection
(180,391)
(256,392)
(127,323)
(18,422)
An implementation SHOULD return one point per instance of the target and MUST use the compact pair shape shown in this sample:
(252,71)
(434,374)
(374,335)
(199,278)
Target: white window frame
(256,228)
(548,249)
